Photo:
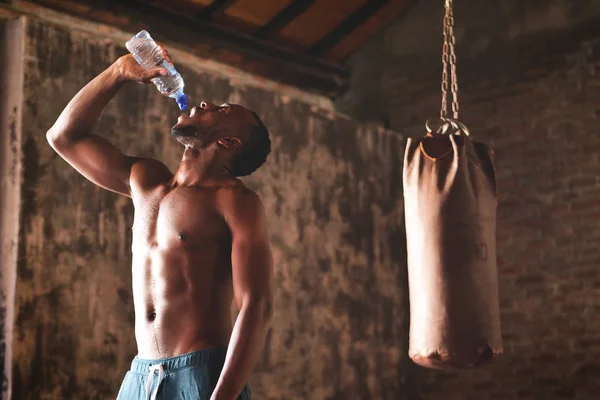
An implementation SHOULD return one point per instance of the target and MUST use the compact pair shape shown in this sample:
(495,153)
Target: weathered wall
(533,96)
(11,105)
(332,192)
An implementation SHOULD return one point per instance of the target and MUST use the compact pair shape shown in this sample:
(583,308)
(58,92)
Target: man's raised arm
(252,269)
(93,156)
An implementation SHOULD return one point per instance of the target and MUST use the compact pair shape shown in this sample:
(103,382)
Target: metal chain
(449,57)
(444,112)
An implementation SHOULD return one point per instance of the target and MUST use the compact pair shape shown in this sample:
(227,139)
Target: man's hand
(128,70)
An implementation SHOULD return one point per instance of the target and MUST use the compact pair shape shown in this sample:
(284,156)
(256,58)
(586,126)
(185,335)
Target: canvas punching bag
(450,212)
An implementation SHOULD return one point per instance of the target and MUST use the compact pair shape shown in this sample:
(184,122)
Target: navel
(181,236)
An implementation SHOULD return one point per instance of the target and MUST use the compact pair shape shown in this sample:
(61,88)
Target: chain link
(449,60)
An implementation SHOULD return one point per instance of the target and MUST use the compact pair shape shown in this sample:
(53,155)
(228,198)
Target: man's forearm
(85,108)
(245,347)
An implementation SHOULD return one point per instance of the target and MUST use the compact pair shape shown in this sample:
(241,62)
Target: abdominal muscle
(182,298)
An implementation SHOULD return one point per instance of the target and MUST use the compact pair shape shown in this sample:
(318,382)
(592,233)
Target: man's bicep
(99,161)
(251,257)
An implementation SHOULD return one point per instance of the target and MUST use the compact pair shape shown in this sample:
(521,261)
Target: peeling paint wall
(332,192)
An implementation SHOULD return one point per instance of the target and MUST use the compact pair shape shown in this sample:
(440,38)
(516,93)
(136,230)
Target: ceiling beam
(282,19)
(346,27)
(207,40)
(215,8)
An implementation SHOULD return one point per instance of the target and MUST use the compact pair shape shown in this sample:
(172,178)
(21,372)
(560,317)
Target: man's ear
(229,142)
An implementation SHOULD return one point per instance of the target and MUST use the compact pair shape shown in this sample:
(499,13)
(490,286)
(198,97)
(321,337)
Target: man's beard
(192,136)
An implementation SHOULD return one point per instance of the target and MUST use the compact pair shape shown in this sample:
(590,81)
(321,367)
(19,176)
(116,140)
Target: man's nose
(206,106)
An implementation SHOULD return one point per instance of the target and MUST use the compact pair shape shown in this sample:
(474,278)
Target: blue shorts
(191,376)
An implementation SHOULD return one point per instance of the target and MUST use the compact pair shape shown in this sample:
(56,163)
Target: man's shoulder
(239,200)
(146,173)
(152,164)
(233,189)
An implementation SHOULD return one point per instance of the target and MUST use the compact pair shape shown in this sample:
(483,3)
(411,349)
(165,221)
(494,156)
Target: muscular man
(199,241)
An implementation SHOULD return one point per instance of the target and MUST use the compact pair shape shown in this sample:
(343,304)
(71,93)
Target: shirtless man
(199,241)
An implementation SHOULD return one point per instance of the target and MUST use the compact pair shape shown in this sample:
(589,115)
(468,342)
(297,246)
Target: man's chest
(180,216)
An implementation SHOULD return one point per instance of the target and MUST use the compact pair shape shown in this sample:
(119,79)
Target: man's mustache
(184,131)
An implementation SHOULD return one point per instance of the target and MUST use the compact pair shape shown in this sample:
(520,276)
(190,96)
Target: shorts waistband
(200,357)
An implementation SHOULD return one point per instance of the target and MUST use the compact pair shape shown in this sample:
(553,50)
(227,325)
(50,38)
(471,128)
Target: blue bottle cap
(182,102)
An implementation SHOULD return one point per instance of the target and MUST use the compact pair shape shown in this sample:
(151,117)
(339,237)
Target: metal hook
(447,124)
(459,126)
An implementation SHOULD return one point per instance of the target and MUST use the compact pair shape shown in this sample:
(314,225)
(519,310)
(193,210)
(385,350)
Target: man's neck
(200,167)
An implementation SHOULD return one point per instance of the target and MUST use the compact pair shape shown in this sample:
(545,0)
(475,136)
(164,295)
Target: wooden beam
(207,40)
(283,18)
(215,8)
(346,27)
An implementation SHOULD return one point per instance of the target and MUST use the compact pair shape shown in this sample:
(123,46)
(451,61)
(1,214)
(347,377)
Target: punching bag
(450,212)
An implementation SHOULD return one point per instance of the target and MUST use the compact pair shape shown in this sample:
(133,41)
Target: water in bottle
(147,53)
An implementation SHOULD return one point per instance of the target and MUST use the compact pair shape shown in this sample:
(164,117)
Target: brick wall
(332,192)
(536,100)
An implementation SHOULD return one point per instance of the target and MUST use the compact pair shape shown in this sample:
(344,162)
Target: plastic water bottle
(147,53)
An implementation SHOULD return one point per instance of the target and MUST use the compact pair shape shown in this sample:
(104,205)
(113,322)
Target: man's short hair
(254,151)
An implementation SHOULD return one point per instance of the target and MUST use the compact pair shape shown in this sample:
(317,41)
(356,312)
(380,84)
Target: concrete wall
(529,77)
(332,192)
